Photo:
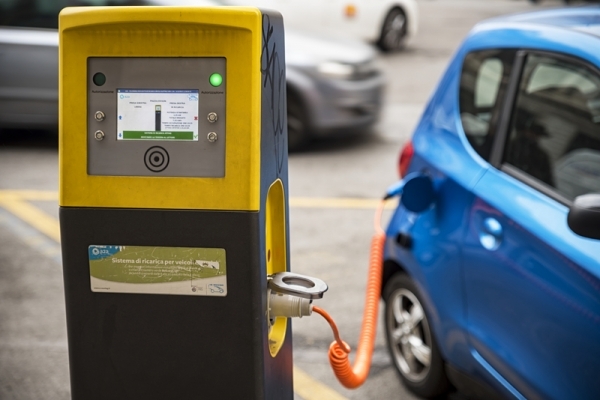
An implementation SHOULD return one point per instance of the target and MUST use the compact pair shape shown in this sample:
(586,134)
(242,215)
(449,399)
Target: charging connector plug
(394,190)
(284,305)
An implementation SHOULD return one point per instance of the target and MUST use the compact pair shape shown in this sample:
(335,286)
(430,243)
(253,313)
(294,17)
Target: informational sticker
(158,270)
(157,114)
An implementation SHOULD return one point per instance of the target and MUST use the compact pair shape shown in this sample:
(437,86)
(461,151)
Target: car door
(532,285)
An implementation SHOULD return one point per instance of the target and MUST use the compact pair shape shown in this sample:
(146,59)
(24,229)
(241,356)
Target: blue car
(492,275)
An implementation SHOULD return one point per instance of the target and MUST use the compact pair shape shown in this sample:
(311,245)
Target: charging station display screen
(157,114)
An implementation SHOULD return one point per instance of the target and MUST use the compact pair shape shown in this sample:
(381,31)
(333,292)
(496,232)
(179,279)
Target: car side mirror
(584,215)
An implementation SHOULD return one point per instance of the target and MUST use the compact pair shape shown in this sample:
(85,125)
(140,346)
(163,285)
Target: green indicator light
(215,79)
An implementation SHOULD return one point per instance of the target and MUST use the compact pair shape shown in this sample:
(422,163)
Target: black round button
(99,79)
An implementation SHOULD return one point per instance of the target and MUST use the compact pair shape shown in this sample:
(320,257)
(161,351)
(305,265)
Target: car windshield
(44,13)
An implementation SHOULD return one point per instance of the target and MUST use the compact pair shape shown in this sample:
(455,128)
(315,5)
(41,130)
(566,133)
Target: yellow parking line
(35,217)
(330,202)
(16,203)
(309,389)
(30,195)
(296,202)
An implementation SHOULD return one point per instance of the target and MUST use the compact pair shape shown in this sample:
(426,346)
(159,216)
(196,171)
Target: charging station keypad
(156,116)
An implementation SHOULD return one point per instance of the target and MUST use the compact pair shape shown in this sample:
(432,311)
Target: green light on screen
(215,79)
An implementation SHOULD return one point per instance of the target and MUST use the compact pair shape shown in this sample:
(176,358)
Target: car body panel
(342,104)
(30,98)
(334,103)
(527,298)
(512,293)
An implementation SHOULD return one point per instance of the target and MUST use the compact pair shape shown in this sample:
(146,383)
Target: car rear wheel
(393,31)
(410,339)
(298,135)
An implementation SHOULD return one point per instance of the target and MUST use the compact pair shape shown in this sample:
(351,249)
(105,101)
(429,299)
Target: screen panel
(156,116)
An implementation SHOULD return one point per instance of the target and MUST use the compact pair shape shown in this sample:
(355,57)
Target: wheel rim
(409,335)
(394,30)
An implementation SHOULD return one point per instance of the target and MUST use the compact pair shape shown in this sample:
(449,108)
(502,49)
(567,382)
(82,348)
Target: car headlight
(368,68)
(356,71)
(336,69)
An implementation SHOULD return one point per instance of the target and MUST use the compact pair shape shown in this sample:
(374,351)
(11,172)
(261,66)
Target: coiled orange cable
(354,376)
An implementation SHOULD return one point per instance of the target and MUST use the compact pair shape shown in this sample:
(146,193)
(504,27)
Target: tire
(411,341)
(393,31)
(298,135)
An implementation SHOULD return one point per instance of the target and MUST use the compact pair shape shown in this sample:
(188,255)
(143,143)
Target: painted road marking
(330,202)
(35,217)
(32,195)
(310,389)
(15,202)
(31,236)
(295,202)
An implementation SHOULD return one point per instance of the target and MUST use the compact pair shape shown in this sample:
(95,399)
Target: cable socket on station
(290,295)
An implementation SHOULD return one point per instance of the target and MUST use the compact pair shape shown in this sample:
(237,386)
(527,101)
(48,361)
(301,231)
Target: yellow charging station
(173,203)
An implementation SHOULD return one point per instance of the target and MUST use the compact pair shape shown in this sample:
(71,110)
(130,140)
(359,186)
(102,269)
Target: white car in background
(389,24)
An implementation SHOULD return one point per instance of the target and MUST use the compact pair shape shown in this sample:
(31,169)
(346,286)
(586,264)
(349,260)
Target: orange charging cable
(354,376)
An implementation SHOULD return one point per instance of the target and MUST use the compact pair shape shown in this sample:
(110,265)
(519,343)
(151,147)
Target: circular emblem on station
(156,159)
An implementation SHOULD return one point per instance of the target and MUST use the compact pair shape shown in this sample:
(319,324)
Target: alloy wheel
(409,335)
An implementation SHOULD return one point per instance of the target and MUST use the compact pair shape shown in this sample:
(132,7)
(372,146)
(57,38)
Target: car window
(44,13)
(555,129)
(487,83)
(483,77)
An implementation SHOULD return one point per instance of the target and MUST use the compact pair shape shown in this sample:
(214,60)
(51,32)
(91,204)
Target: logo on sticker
(208,264)
(197,289)
(98,252)
(216,288)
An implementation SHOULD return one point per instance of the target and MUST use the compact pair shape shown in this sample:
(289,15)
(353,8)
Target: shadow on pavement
(341,141)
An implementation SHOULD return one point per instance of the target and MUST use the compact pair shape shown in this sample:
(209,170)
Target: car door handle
(490,234)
